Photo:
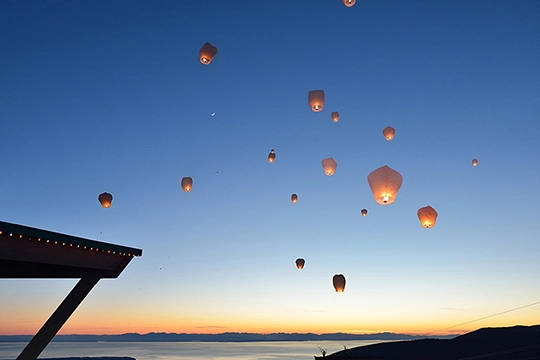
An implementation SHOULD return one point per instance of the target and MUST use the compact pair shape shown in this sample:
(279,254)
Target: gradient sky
(110,96)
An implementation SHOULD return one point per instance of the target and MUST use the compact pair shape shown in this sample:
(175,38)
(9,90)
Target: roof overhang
(27,252)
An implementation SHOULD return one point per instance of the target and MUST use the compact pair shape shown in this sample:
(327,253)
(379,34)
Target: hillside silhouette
(510,343)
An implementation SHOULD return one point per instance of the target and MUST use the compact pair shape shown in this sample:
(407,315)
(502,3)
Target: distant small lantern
(363,212)
(271,156)
(349,3)
(300,263)
(335,116)
(389,133)
(474,162)
(339,282)
(187,184)
(385,183)
(105,200)
(294,198)
(427,216)
(207,53)
(329,166)
(316,100)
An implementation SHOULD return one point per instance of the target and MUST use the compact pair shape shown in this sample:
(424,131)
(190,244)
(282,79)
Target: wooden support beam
(58,318)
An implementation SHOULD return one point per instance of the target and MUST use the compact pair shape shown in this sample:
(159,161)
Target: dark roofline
(45,235)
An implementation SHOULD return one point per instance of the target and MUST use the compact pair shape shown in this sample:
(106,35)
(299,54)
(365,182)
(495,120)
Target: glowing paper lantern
(271,156)
(187,184)
(329,166)
(389,133)
(385,183)
(207,53)
(474,162)
(105,200)
(335,116)
(427,216)
(316,100)
(294,198)
(339,282)
(363,212)
(300,263)
(349,3)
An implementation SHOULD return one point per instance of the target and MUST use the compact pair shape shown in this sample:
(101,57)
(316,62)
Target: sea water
(267,350)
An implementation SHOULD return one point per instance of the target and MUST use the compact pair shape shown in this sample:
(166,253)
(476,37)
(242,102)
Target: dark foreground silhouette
(511,343)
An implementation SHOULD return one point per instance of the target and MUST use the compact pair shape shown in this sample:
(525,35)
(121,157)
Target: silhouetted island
(223,337)
(510,343)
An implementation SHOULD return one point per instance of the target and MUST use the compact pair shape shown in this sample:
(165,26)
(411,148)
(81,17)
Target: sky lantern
(271,156)
(389,133)
(329,166)
(335,116)
(349,3)
(187,184)
(474,162)
(105,200)
(316,100)
(363,212)
(385,183)
(427,216)
(339,282)
(300,263)
(207,53)
(294,198)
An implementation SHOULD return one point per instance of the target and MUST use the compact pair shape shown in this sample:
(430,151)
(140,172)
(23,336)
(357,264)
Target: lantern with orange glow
(363,212)
(300,263)
(335,116)
(316,100)
(187,184)
(474,162)
(427,216)
(389,133)
(271,156)
(207,53)
(105,200)
(339,282)
(349,3)
(294,198)
(329,166)
(385,183)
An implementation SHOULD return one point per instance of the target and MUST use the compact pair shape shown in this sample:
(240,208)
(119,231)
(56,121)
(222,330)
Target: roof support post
(58,318)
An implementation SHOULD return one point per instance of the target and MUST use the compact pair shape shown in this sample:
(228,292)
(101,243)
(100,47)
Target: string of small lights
(78,246)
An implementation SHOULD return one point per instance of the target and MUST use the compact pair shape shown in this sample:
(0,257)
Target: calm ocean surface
(282,350)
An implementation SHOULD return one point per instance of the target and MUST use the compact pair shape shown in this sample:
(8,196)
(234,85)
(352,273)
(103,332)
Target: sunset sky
(110,96)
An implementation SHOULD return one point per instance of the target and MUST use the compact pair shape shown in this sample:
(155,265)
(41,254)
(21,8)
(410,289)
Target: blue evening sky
(110,96)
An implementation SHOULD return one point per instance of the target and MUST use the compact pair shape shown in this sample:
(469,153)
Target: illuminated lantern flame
(207,53)
(335,116)
(300,263)
(294,198)
(427,216)
(187,184)
(385,183)
(316,100)
(349,3)
(474,162)
(364,212)
(339,282)
(271,156)
(329,166)
(105,200)
(389,133)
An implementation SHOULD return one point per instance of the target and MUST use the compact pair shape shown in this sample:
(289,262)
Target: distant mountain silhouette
(511,343)
(223,337)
